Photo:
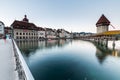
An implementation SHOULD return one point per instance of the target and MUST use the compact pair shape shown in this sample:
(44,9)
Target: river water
(71,59)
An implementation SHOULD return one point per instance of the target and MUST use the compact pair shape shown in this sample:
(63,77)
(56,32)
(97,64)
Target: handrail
(21,66)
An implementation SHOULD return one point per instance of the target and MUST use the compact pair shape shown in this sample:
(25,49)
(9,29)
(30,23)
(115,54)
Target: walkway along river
(71,60)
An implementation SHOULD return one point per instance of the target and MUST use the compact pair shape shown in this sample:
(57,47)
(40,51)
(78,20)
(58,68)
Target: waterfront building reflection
(74,59)
(31,46)
(102,50)
(27,47)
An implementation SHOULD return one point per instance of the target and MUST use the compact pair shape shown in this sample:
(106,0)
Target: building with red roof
(26,30)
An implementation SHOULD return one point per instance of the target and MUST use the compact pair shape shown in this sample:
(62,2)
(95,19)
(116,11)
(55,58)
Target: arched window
(16,33)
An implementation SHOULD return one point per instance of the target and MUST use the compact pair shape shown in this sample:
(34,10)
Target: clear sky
(71,15)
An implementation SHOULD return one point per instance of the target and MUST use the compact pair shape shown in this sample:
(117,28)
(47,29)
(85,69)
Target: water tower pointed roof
(102,21)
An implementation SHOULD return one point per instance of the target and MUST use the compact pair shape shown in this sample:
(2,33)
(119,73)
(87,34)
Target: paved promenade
(7,64)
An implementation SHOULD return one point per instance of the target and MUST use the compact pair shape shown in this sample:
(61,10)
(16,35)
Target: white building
(41,33)
(1,29)
(50,33)
(60,33)
(67,34)
(24,30)
(63,33)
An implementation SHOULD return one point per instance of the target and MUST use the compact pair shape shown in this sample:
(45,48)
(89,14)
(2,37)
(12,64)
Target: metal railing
(21,66)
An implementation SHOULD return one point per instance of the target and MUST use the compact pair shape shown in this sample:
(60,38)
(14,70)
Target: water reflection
(71,60)
(28,47)
(103,50)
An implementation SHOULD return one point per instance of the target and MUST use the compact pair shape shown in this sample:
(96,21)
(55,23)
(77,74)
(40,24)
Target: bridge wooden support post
(102,41)
(105,42)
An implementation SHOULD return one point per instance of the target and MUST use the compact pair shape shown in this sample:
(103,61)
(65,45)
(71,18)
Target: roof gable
(40,29)
(103,20)
(23,25)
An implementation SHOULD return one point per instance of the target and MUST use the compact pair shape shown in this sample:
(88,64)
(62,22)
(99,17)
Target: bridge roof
(114,32)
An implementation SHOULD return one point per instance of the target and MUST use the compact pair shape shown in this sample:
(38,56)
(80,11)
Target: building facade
(60,33)
(64,34)
(41,33)
(50,33)
(29,31)
(1,29)
(24,30)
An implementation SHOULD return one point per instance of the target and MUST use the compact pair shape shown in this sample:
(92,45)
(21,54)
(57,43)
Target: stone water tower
(102,24)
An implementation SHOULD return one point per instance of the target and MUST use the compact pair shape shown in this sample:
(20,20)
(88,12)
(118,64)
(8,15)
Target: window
(41,33)
(17,33)
(23,33)
(16,37)
(26,33)
(20,33)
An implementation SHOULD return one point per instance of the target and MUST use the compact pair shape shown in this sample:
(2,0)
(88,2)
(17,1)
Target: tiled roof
(40,29)
(67,32)
(59,31)
(102,21)
(23,25)
(49,29)
(7,28)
